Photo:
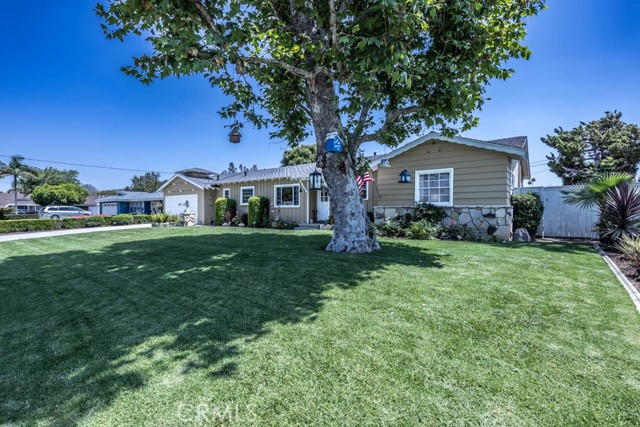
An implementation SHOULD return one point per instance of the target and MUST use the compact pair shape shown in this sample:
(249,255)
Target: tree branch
(333,23)
(205,16)
(391,117)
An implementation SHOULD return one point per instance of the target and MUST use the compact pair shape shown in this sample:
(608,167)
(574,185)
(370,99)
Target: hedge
(17,226)
(8,216)
(21,225)
(225,210)
(527,212)
(258,215)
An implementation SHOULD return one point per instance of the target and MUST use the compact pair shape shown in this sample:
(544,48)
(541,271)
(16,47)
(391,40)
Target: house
(25,202)
(130,202)
(472,179)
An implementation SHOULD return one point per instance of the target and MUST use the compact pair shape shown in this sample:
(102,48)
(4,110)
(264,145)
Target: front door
(324,209)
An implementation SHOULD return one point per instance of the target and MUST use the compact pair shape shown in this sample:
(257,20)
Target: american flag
(362,180)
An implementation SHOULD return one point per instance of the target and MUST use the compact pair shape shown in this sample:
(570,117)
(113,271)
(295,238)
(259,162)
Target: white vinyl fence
(561,219)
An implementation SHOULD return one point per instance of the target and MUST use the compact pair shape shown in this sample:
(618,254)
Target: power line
(89,166)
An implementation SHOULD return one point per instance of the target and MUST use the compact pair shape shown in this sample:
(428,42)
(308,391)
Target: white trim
(253,193)
(275,196)
(432,171)
(631,290)
(178,175)
(434,136)
(224,190)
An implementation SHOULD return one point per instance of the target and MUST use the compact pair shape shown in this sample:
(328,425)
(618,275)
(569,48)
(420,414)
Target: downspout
(306,191)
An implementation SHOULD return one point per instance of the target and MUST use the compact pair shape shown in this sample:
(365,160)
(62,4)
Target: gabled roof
(283,172)
(131,196)
(201,183)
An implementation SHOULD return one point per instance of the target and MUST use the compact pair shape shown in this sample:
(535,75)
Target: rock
(501,213)
(241,225)
(486,211)
(475,213)
(226,224)
(521,235)
(464,218)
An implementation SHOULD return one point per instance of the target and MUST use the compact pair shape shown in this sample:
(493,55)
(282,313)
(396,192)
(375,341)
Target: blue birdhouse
(333,143)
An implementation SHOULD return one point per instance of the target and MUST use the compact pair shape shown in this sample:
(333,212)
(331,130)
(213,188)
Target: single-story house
(472,179)
(25,202)
(130,202)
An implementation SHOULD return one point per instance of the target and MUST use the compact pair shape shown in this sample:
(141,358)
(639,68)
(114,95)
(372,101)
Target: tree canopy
(592,149)
(299,155)
(17,169)
(377,70)
(48,175)
(149,182)
(62,194)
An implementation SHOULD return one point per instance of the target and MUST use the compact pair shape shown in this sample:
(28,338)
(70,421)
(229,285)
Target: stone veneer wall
(479,218)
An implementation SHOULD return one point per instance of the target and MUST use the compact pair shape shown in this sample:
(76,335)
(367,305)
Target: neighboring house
(472,179)
(25,202)
(130,202)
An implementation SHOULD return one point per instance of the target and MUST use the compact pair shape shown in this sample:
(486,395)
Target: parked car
(56,212)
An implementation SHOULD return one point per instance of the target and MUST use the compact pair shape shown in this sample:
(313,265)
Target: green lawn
(185,326)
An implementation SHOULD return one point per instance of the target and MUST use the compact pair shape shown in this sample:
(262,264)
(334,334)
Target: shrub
(244,218)
(258,215)
(392,227)
(460,232)
(7,216)
(142,219)
(284,224)
(620,213)
(429,212)
(527,212)
(174,218)
(96,221)
(225,210)
(22,225)
(62,194)
(159,218)
(629,247)
(424,230)
(123,219)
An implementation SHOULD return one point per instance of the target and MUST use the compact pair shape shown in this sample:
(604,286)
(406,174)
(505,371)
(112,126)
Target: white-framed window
(136,207)
(435,187)
(287,196)
(226,193)
(365,191)
(324,194)
(245,194)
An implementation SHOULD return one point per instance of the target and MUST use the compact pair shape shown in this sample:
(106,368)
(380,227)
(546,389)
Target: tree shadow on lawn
(76,324)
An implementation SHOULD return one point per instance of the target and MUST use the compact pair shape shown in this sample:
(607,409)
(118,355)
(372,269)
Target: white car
(57,212)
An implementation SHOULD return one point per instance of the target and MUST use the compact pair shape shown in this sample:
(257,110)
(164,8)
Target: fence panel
(561,219)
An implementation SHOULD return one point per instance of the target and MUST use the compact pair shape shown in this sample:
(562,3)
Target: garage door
(175,205)
(109,208)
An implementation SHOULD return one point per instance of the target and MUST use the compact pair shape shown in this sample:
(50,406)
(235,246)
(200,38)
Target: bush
(258,212)
(392,227)
(460,232)
(142,219)
(174,218)
(225,210)
(96,221)
(8,216)
(22,225)
(424,230)
(620,213)
(62,194)
(629,247)
(283,224)
(123,219)
(527,212)
(429,212)
(159,218)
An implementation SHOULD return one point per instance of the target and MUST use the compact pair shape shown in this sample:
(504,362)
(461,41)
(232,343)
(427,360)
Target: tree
(62,194)
(149,182)
(18,170)
(299,155)
(595,148)
(368,71)
(90,188)
(48,175)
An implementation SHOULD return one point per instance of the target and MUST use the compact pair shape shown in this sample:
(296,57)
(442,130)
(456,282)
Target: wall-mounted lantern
(235,135)
(315,180)
(405,177)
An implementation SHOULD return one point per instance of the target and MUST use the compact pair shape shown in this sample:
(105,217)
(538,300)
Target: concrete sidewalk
(39,234)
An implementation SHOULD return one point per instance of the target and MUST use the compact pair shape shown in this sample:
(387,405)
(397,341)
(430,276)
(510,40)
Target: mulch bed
(623,265)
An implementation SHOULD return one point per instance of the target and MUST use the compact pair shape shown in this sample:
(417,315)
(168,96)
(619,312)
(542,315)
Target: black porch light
(315,180)
(405,177)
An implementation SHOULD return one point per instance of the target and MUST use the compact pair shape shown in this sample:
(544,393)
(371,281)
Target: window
(136,207)
(226,193)
(435,186)
(287,196)
(365,192)
(245,193)
(324,194)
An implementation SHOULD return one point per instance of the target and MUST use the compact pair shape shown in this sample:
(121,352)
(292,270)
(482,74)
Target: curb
(631,290)
(52,233)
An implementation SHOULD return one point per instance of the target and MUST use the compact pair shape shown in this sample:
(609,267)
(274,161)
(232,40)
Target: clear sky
(63,97)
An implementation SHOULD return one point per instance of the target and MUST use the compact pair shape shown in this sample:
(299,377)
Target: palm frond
(593,192)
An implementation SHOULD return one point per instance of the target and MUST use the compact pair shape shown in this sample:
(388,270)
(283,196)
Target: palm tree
(593,192)
(16,169)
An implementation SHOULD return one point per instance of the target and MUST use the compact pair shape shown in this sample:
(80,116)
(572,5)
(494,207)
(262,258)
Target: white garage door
(109,208)
(175,205)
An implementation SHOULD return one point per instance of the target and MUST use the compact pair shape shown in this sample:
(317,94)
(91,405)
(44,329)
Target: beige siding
(267,189)
(480,177)
(180,186)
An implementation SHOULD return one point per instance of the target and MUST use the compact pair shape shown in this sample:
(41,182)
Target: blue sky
(63,97)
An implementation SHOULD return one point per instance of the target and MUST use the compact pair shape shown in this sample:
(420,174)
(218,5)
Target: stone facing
(479,218)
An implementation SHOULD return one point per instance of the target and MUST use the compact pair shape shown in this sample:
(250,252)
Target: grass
(202,326)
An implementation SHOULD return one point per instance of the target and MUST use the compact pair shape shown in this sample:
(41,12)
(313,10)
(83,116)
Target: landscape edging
(631,290)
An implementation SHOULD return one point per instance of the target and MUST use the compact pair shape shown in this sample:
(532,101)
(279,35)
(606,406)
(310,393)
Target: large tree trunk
(353,232)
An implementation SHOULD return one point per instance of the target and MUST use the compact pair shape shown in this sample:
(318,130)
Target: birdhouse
(235,135)
(333,143)
(405,177)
